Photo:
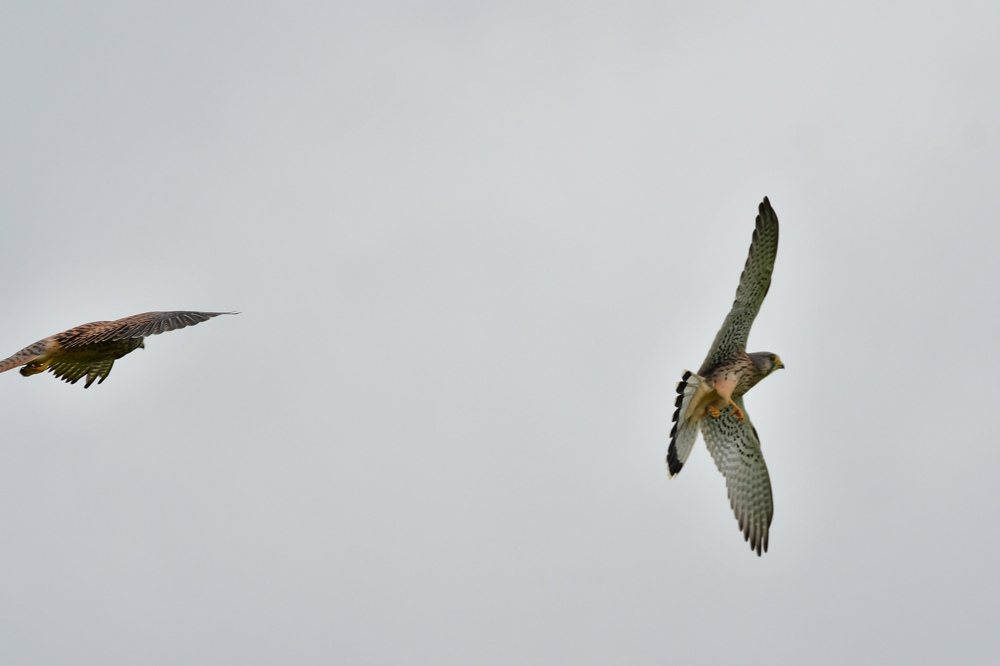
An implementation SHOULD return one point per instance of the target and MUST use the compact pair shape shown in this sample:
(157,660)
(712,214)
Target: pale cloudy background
(474,247)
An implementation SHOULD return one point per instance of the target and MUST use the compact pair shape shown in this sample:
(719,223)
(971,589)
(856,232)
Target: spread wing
(136,326)
(736,450)
(72,371)
(754,283)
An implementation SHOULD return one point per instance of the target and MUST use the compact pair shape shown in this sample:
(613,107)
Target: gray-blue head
(766,362)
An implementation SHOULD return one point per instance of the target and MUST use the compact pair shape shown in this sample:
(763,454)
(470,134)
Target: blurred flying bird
(91,349)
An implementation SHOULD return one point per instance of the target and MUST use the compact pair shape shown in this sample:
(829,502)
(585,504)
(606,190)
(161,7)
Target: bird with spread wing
(712,400)
(91,349)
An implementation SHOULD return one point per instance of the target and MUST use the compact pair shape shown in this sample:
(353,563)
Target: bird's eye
(771,357)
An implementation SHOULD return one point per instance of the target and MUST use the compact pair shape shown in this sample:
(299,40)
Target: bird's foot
(737,411)
(34,368)
(714,412)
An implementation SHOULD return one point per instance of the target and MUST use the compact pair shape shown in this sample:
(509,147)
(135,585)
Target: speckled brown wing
(735,447)
(754,283)
(136,326)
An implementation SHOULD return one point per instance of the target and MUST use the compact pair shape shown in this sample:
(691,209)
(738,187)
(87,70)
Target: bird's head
(766,362)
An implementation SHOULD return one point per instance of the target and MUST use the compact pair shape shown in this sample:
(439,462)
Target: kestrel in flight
(712,400)
(91,349)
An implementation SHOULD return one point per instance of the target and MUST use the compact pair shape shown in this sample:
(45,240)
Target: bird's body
(711,401)
(732,378)
(721,386)
(91,349)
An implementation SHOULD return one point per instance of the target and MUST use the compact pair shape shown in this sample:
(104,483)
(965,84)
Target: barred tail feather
(685,430)
(26,355)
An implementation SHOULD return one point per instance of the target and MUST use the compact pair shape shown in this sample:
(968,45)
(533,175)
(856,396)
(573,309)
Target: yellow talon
(737,411)
(714,412)
(35,367)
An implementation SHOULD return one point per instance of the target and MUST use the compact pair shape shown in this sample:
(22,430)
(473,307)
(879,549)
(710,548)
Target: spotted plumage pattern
(711,401)
(735,448)
(91,350)
(754,284)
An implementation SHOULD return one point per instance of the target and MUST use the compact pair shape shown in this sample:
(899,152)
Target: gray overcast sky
(475,246)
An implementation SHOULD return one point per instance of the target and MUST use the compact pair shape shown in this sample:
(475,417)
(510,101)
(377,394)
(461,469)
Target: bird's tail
(26,355)
(686,424)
